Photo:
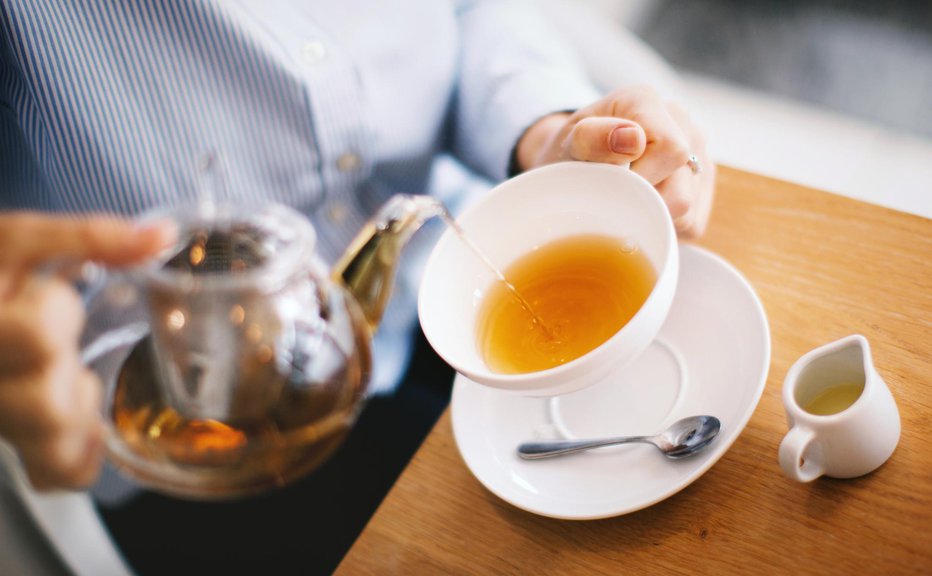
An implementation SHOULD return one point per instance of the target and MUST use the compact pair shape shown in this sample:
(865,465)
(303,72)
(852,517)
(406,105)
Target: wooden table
(824,267)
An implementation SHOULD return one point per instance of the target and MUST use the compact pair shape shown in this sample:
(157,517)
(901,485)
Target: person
(327,107)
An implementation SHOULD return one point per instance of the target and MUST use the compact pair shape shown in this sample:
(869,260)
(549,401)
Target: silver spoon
(683,438)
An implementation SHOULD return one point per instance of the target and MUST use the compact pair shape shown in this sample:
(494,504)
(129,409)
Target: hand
(50,402)
(633,125)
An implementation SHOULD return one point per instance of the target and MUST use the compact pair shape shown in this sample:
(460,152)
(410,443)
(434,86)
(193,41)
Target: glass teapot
(237,362)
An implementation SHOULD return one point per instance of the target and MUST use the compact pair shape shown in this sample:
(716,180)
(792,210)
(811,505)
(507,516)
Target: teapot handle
(86,277)
(92,282)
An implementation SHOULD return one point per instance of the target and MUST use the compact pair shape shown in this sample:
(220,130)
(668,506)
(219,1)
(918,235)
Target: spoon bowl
(683,438)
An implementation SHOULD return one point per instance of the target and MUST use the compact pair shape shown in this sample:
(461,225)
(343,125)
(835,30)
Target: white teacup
(520,215)
(833,431)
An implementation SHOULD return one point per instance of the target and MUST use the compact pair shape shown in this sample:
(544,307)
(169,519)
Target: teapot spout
(367,268)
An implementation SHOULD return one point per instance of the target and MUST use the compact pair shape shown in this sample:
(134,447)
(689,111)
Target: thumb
(605,139)
(32,239)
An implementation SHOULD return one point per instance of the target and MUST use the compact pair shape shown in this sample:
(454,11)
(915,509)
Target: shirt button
(348,162)
(337,213)
(313,52)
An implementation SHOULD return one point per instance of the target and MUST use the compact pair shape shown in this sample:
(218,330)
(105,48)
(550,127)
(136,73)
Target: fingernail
(625,140)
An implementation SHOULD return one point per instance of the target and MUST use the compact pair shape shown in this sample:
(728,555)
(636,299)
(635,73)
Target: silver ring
(694,165)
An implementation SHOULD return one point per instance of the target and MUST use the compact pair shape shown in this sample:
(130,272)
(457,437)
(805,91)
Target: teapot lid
(233,247)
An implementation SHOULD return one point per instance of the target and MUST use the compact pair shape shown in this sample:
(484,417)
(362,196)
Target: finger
(80,445)
(677,192)
(68,451)
(689,199)
(605,139)
(667,142)
(8,284)
(39,322)
(50,406)
(681,116)
(692,223)
(48,470)
(30,239)
(41,403)
(667,145)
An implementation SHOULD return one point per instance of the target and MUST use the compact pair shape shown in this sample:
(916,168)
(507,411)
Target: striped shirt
(328,107)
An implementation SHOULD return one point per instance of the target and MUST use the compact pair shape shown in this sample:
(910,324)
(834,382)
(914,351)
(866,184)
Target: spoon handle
(537,450)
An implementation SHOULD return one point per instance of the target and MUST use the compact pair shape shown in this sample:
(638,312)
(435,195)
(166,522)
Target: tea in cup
(843,419)
(565,274)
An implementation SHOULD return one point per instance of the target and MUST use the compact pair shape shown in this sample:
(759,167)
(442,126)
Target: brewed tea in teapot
(237,362)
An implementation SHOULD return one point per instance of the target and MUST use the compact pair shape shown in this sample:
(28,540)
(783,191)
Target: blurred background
(872,60)
(835,94)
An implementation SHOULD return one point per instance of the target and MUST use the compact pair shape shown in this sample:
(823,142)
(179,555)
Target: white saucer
(711,357)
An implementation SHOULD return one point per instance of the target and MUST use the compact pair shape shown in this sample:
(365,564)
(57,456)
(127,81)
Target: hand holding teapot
(234,361)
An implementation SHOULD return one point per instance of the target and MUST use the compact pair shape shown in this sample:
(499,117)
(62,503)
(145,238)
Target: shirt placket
(336,99)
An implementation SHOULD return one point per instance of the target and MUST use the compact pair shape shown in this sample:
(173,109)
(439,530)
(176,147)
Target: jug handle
(792,460)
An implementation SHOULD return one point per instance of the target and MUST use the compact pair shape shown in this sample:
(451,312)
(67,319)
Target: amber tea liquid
(234,457)
(274,429)
(577,293)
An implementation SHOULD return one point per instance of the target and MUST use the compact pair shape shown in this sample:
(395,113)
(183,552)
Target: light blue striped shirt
(326,106)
